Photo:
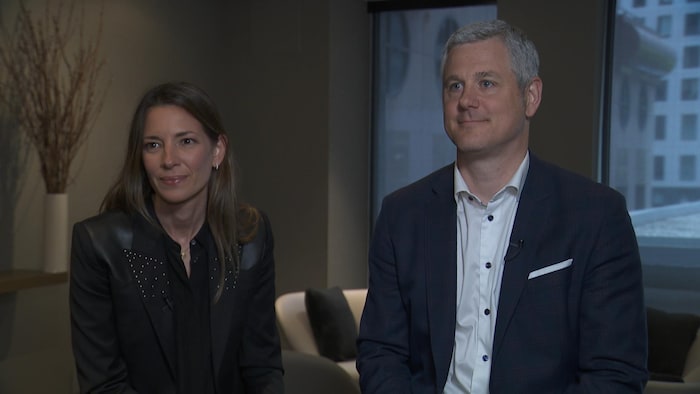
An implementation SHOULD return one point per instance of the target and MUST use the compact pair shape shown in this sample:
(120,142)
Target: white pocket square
(550,268)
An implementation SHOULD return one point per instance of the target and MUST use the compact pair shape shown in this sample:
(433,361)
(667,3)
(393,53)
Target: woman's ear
(220,150)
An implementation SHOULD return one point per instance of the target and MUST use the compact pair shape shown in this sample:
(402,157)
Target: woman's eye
(151,146)
(187,141)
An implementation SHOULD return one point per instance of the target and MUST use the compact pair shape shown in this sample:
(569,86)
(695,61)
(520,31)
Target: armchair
(296,328)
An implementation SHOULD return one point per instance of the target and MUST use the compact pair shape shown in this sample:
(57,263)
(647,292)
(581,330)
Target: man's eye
(486,84)
(454,86)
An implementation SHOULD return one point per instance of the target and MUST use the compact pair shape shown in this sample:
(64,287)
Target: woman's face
(178,156)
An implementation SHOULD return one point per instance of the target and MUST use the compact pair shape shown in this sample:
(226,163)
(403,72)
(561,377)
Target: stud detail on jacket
(149,274)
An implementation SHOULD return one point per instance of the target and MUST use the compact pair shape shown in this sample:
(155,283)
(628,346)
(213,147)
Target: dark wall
(569,35)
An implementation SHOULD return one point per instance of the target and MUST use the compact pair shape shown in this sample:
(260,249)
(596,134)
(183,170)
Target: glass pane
(409,139)
(654,145)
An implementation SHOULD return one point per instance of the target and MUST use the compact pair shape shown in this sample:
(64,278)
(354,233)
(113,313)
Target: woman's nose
(169,156)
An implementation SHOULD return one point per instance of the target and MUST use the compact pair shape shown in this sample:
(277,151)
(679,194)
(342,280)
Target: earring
(216,167)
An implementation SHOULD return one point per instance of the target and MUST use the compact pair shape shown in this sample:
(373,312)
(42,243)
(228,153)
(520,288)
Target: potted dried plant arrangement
(49,72)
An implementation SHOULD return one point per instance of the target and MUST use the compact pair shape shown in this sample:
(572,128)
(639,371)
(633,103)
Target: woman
(172,284)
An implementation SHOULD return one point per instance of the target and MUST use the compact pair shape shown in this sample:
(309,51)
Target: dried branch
(50,89)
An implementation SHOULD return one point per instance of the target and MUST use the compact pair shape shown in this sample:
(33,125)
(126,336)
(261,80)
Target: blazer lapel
(533,211)
(441,270)
(150,274)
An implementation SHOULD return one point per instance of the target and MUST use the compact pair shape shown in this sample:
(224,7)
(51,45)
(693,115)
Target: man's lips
(470,121)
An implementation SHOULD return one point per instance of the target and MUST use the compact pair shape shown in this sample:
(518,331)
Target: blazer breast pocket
(550,269)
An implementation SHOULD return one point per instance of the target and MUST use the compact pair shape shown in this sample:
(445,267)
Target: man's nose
(469,98)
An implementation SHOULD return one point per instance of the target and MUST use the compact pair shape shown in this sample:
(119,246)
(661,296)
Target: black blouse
(191,298)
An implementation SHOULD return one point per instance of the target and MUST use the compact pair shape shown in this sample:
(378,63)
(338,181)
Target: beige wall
(292,81)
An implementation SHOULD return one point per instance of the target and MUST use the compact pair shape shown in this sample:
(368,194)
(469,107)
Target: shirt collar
(515,183)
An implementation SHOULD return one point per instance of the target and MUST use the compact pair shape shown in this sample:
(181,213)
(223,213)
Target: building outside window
(689,127)
(691,56)
(663,25)
(661,90)
(692,24)
(659,162)
(687,168)
(664,201)
(660,127)
(689,89)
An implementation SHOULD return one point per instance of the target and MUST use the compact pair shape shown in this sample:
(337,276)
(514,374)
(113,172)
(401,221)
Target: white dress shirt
(483,235)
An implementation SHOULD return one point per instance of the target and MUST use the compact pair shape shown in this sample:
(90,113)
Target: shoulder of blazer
(254,251)
(545,176)
(111,232)
(440,181)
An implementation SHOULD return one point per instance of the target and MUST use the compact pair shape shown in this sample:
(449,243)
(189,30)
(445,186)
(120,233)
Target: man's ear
(533,96)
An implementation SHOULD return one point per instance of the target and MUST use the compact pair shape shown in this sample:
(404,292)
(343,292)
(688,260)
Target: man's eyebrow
(484,74)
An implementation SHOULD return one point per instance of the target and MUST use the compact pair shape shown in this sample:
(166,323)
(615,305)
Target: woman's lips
(172,180)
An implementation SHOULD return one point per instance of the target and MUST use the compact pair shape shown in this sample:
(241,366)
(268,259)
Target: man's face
(484,111)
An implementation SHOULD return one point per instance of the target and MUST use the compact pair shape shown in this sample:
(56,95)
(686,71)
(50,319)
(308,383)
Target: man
(501,273)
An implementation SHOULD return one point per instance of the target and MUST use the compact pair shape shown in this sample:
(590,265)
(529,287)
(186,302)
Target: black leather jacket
(122,324)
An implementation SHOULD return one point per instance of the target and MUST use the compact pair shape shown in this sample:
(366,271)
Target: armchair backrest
(294,321)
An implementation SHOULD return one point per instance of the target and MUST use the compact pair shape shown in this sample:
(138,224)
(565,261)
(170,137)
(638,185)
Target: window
(659,162)
(691,56)
(660,127)
(624,104)
(661,90)
(639,3)
(665,2)
(687,168)
(643,112)
(659,176)
(692,24)
(663,25)
(689,127)
(409,141)
(689,89)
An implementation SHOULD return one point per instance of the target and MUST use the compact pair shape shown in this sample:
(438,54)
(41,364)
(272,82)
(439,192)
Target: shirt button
(193,242)
(490,218)
(487,311)
(488,264)
(485,357)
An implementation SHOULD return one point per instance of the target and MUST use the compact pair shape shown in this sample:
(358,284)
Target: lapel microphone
(514,248)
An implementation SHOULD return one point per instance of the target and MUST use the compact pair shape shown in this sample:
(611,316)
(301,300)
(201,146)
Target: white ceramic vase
(56,232)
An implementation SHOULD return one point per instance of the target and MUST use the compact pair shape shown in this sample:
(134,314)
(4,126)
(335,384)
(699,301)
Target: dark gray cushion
(332,323)
(670,338)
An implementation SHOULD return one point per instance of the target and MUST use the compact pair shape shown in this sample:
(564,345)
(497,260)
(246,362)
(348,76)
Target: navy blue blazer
(580,329)
(122,321)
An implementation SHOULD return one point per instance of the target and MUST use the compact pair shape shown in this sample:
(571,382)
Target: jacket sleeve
(383,342)
(100,367)
(260,356)
(613,335)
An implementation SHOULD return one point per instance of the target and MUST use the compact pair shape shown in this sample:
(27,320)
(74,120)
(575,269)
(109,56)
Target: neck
(181,222)
(486,177)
